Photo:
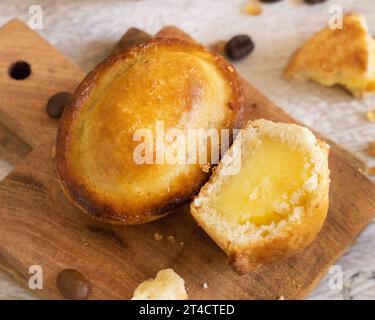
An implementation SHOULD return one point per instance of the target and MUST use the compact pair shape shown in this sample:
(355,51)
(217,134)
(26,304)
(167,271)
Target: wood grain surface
(38,225)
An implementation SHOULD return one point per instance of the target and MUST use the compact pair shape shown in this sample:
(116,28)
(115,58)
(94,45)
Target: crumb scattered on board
(53,152)
(205,167)
(158,236)
(205,285)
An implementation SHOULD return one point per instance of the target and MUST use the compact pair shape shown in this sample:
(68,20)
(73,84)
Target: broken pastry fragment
(343,57)
(127,102)
(167,285)
(274,203)
(253,9)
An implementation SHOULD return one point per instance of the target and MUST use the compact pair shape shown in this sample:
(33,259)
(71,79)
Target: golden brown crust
(337,56)
(94,199)
(330,50)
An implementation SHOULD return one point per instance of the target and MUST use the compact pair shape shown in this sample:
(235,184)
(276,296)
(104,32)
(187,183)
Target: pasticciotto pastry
(343,57)
(164,84)
(268,198)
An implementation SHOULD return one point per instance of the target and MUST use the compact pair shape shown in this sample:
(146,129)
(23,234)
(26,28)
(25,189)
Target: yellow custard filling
(268,186)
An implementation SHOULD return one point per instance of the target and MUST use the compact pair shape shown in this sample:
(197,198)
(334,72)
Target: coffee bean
(57,103)
(269,1)
(239,47)
(314,1)
(72,285)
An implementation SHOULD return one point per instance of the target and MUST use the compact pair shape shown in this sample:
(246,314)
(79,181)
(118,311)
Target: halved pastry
(343,57)
(268,198)
(111,149)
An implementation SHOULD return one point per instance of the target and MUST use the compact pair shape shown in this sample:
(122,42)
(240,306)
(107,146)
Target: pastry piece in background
(167,285)
(131,38)
(343,57)
(276,204)
(179,85)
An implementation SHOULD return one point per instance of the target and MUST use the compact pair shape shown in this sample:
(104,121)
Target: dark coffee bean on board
(72,285)
(314,1)
(270,1)
(239,47)
(57,103)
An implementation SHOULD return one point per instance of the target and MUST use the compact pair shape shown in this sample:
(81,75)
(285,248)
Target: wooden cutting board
(39,227)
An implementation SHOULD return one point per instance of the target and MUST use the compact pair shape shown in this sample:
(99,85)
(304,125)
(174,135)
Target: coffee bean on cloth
(239,47)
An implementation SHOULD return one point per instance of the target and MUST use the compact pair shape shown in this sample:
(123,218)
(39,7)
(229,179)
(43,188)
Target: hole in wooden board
(20,70)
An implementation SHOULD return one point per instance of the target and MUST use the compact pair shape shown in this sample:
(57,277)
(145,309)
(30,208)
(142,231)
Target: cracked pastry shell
(176,82)
(344,57)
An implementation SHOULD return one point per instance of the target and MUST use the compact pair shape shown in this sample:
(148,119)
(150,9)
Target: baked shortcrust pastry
(277,202)
(167,285)
(178,84)
(343,57)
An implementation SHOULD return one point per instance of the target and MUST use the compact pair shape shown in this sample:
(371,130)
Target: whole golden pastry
(176,83)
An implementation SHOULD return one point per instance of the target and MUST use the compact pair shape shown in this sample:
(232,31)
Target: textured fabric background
(85,31)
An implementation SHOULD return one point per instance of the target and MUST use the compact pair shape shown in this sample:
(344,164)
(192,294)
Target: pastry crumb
(205,285)
(253,9)
(371,149)
(158,236)
(53,152)
(281,298)
(182,243)
(370,115)
(167,285)
(205,167)
(171,238)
